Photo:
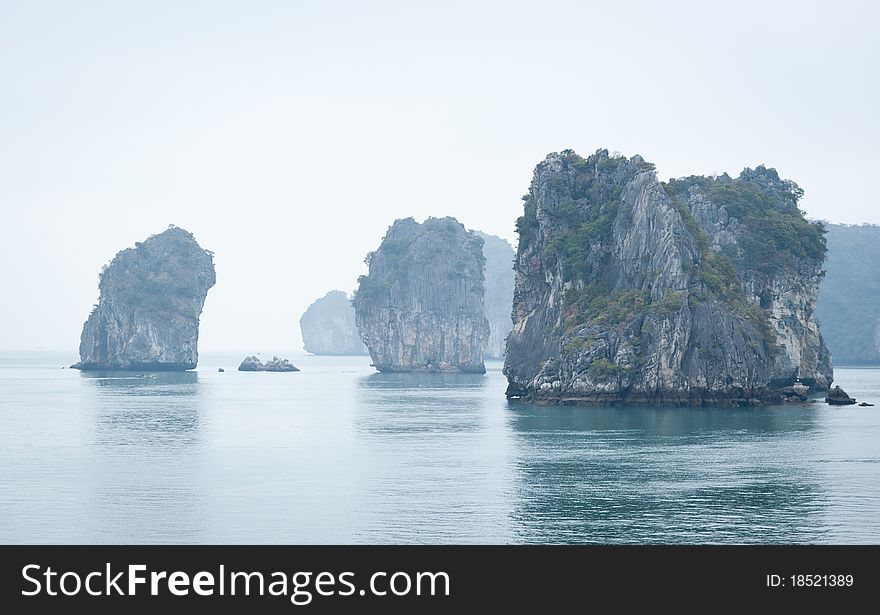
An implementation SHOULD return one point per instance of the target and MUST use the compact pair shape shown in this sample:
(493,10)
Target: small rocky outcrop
(499,292)
(798,392)
(151,298)
(420,307)
(839,397)
(277,364)
(328,327)
(698,291)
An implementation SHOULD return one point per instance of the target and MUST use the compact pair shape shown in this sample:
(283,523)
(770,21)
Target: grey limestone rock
(151,298)
(420,307)
(277,364)
(839,397)
(699,291)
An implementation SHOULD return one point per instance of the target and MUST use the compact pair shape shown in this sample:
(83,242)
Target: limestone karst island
(147,317)
(693,292)
(420,307)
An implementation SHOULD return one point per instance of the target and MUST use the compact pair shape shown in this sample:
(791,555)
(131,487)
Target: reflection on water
(152,405)
(151,383)
(658,423)
(398,403)
(440,381)
(434,455)
(665,475)
(340,454)
(145,475)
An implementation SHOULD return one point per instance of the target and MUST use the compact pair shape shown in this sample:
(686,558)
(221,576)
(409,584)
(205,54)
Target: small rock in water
(250,364)
(865,404)
(277,364)
(221,370)
(839,397)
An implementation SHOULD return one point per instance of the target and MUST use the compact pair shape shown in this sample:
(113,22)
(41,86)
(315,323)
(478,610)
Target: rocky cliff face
(699,291)
(420,308)
(499,292)
(328,327)
(147,317)
(849,298)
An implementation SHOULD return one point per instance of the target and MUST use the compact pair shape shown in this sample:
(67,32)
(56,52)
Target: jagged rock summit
(147,317)
(328,327)
(420,307)
(699,291)
(499,292)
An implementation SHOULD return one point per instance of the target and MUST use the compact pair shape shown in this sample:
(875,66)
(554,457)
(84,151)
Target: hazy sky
(287,136)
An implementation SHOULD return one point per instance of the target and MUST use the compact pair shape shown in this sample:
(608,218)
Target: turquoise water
(340,454)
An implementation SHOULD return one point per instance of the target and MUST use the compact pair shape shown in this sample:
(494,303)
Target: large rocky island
(849,298)
(420,307)
(499,292)
(699,291)
(147,317)
(328,327)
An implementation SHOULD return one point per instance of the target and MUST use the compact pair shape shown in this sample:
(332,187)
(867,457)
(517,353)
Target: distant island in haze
(849,297)
(328,326)
(499,292)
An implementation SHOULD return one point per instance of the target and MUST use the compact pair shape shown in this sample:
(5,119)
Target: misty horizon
(287,139)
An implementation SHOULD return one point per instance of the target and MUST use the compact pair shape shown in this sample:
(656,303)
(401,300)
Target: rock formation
(499,292)
(849,297)
(839,397)
(698,291)
(420,308)
(147,317)
(328,327)
(277,364)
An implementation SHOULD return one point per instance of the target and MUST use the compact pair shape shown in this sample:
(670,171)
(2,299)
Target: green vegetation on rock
(603,369)
(668,306)
(598,305)
(584,217)
(776,233)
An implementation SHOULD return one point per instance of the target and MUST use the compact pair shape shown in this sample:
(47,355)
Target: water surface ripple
(340,454)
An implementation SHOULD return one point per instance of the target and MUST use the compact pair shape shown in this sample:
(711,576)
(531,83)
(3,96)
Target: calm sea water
(341,454)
